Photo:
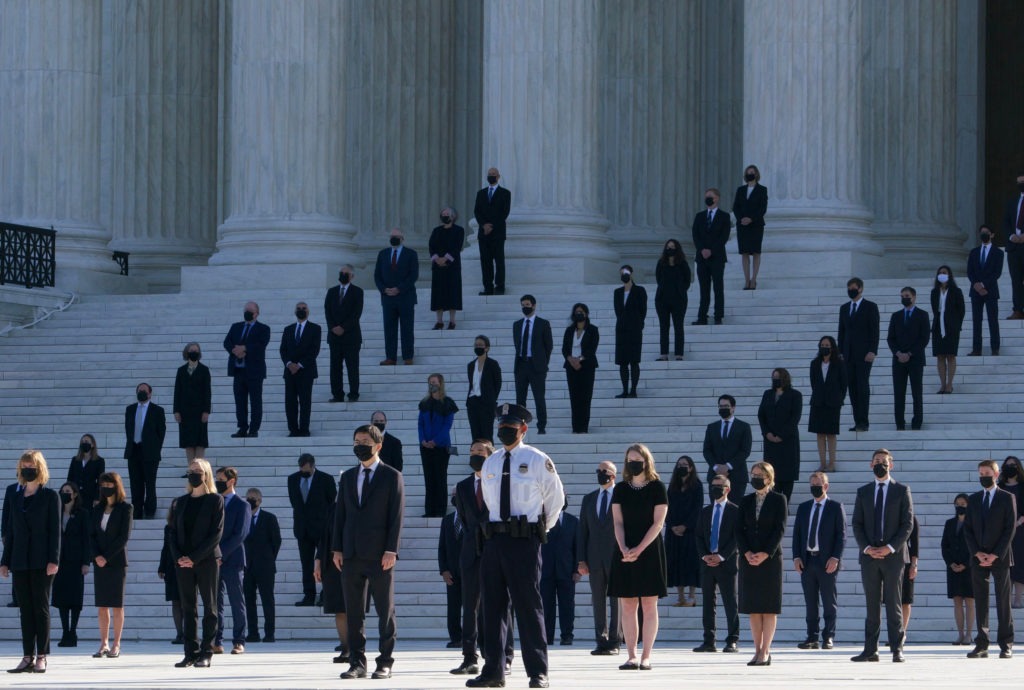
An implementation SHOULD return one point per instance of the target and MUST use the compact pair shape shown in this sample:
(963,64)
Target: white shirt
(824,370)
(625,297)
(104,520)
(534,484)
(942,311)
(478,372)
(362,474)
(750,189)
(821,512)
(577,343)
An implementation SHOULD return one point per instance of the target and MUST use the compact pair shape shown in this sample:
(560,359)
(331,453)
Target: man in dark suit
(395,276)
(1013,226)
(989,527)
(449,548)
(858,342)
(909,332)
(716,546)
(984,268)
(710,233)
(144,428)
(367,532)
(343,307)
(311,492)
(300,345)
(558,576)
(531,336)
(262,545)
(883,517)
(727,446)
(493,204)
(246,344)
(237,516)
(596,544)
(819,537)
(391,452)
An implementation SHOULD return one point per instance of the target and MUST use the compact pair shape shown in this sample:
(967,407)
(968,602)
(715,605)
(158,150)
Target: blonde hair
(211,488)
(767,469)
(650,474)
(39,462)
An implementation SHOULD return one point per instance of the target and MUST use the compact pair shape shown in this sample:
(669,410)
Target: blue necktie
(716,521)
(604,506)
(906,316)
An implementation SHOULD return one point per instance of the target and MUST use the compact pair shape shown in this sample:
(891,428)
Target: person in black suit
(493,204)
(883,517)
(828,393)
(343,307)
(85,469)
(685,499)
(533,354)
(716,546)
(909,331)
(1013,226)
(710,233)
(596,544)
(749,206)
(559,574)
(579,348)
(196,528)
(819,537)
(300,346)
(630,302)
(957,557)
(110,528)
(484,376)
(31,537)
(246,344)
(989,528)
(727,446)
(445,247)
(449,547)
(670,299)
(310,491)
(391,452)
(858,344)
(193,395)
(75,559)
(779,418)
(262,544)
(367,533)
(145,426)
(984,268)
(948,307)
(232,565)
(395,277)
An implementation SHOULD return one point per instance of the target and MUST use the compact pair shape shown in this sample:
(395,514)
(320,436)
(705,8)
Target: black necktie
(986,504)
(506,487)
(490,193)
(812,540)
(298,333)
(709,218)
(906,316)
(366,487)
(526,339)
(604,506)
(984,254)
(245,332)
(853,309)
(458,527)
(725,430)
(879,508)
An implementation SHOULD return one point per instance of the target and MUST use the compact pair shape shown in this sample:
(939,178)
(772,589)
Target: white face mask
(942,278)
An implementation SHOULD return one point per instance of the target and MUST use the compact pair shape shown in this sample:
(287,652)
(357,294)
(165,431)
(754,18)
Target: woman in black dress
(445,246)
(329,577)
(1012,479)
(685,499)
(85,470)
(673,276)
(828,393)
(779,418)
(910,573)
(749,205)
(638,577)
(69,584)
(165,571)
(484,376)
(579,348)
(630,303)
(437,414)
(110,527)
(31,552)
(759,531)
(948,311)
(192,401)
(958,571)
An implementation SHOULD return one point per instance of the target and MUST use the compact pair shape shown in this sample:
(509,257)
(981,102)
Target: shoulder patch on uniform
(550,466)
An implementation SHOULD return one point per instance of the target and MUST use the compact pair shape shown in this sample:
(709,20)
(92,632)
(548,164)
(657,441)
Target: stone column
(541,130)
(910,130)
(801,127)
(284,127)
(160,129)
(50,131)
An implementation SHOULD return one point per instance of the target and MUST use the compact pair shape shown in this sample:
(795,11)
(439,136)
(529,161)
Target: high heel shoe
(40,665)
(24,667)
(115,652)
(104,650)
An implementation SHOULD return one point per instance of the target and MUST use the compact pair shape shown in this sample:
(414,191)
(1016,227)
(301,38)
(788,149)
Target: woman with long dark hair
(828,393)
(673,276)
(948,311)
(1011,478)
(579,348)
(685,499)
(69,583)
(958,571)
(110,527)
(779,418)
(85,469)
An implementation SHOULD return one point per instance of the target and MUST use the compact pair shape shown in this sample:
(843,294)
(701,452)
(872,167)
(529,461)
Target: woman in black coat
(329,577)
(630,302)
(192,401)
(759,531)
(31,542)
(85,470)
(779,417)
(69,584)
(579,348)
(958,571)
(445,247)
(749,205)
(948,311)
(685,499)
(484,376)
(673,276)
(165,571)
(110,527)
(1011,479)
(828,393)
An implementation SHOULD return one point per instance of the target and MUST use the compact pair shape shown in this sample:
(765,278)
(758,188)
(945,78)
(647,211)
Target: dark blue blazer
(465,506)
(713,238)
(988,275)
(262,544)
(909,336)
(237,516)
(449,546)
(255,349)
(303,352)
(831,529)
(858,335)
(558,556)
(403,277)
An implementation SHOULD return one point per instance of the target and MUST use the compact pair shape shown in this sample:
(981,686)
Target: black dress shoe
(306,601)
(293,434)
(1006,653)
(623,394)
(381,673)
(897,657)
(269,639)
(706,647)
(186,662)
(499,291)
(203,661)
(239,434)
(605,651)
(978,653)
(454,644)
(699,322)
(864,656)
(253,434)
(718,322)
(974,353)
(337,399)
(484,293)
(629,666)
(827,643)
(341,659)
(339,648)
(539,681)
(467,668)
(353,397)
(354,672)
(178,640)
(481,682)
(731,648)
(566,641)
(809,643)
(901,427)
(542,431)
(252,638)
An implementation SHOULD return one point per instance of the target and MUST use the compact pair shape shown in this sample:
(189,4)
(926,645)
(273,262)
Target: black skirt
(949,345)
(824,420)
(749,238)
(959,584)
(109,585)
(761,586)
(69,588)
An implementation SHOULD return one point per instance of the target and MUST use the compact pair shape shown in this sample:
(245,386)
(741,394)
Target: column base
(919,249)
(244,277)
(293,240)
(159,263)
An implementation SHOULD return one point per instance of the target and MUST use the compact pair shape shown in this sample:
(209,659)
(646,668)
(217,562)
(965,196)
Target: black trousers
(307,556)
(248,392)
(979,582)
(581,394)
(723,578)
(195,583)
(711,273)
(858,373)
(558,595)
(473,631)
(346,355)
(492,261)
(298,400)
(606,633)
(528,377)
(435,480)
(358,575)
(914,371)
(261,582)
(453,594)
(1015,265)
(481,418)
(676,313)
(990,306)
(142,480)
(883,581)
(817,584)
(32,588)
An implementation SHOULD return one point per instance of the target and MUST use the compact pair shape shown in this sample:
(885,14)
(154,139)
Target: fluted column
(50,128)
(283,127)
(541,130)
(801,127)
(161,133)
(909,94)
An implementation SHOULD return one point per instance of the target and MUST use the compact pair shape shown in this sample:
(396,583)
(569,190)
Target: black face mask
(508,435)
(476,462)
(681,472)
(221,485)
(985,237)
(479,351)
(492,179)
(380,426)
(445,220)
(880,470)
(579,317)
(527,311)
(709,201)
(193,356)
(142,396)
(344,278)
(625,277)
(636,467)
(603,477)
(987,482)
(906,301)
(824,351)
(65,497)
(853,293)
(750,177)
(305,474)
(724,412)
(1010,471)
(395,241)
(817,491)
(248,315)
(363,452)
(253,504)
(195,479)
(776,384)
(106,491)
(301,314)
(670,251)
(85,447)
(758,483)
(717,492)
(961,510)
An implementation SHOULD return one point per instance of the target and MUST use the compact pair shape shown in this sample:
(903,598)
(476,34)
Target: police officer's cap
(512,414)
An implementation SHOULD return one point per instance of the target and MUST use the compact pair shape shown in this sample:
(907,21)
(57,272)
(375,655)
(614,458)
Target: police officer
(524,496)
